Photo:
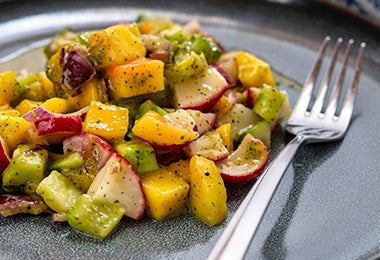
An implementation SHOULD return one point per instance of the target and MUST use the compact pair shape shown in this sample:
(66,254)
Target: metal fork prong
(331,109)
(349,101)
(318,105)
(307,90)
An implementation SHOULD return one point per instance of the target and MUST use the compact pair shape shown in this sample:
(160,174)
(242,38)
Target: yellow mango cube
(47,84)
(27,105)
(160,131)
(7,110)
(7,84)
(180,168)
(93,90)
(222,106)
(57,105)
(165,194)
(14,130)
(115,45)
(225,133)
(252,71)
(208,195)
(107,121)
(135,78)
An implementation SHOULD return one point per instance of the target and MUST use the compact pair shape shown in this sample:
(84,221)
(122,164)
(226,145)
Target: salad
(150,118)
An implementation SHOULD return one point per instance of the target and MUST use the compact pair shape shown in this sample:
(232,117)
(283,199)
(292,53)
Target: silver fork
(316,117)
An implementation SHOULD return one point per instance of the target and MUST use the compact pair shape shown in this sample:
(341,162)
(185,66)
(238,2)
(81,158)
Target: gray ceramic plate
(327,205)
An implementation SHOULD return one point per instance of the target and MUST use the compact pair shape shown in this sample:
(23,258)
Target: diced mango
(225,133)
(47,85)
(138,77)
(7,110)
(14,130)
(252,71)
(222,106)
(27,105)
(34,86)
(208,195)
(158,130)
(115,45)
(54,69)
(7,84)
(57,105)
(180,168)
(152,24)
(165,194)
(93,90)
(107,121)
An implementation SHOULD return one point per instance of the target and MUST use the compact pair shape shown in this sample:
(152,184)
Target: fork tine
(318,105)
(306,93)
(349,101)
(333,102)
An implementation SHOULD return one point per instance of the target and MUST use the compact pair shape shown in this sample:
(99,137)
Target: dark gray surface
(326,207)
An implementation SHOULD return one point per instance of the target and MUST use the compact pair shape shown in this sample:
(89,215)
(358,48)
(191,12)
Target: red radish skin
(4,155)
(245,163)
(201,94)
(92,148)
(204,121)
(58,125)
(118,182)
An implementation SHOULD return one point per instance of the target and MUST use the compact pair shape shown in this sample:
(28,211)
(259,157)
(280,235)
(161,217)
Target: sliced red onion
(76,69)
(37,113)
(15,204)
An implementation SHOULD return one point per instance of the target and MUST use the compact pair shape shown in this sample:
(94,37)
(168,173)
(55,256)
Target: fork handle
(238,234)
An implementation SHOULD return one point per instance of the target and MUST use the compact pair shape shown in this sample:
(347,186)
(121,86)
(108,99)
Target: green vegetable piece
(205,45)
(61,39)
(193,65)
(261,130)
(269,103)
(81,178)
(23,88)
(83,37)
(139,154)
(175,33)
(58,192)
(71,161)
(158,23)
(148,105)
(93,217)
(54,72)
(26,169)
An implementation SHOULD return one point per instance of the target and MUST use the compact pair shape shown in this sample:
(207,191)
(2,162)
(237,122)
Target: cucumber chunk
(93,217)
(139,154)
(71,161)
(269,103)
(58,192)
(26,169)
(203,44)
(148,105)
(261,130)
